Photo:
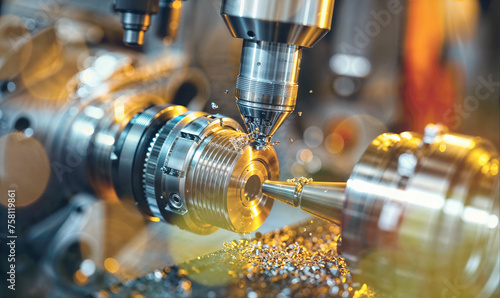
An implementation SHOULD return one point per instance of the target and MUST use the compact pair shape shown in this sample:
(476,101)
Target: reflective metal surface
(195,177)
(297,22)
(266,89)
(81,113)
(136,18)
(427,206)
(177,165)
(324,200)
(274,34)
(418,211)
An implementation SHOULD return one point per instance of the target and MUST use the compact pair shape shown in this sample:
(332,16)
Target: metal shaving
(294,263)
(300,261)
(239,142)
(300,182)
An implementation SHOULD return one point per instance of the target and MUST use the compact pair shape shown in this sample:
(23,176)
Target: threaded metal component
(267,88)
(194,177)
(210,178)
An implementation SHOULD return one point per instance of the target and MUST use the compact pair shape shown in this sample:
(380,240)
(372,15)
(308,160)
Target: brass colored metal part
(225,184)
(195,178)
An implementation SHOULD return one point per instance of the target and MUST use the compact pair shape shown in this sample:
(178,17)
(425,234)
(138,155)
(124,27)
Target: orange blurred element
(432,85)
(494,169)
(115,289)
(334,143)
(15,46)
(177,4)
(111,265)
(80,278)
(306,155)
(461,20)
(186,285)
(24,168)
(155,219)
(348,137)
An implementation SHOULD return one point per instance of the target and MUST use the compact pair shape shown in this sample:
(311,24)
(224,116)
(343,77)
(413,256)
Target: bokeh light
(313,136)
(15,46)
(24,166)
(111,265)
(348,137)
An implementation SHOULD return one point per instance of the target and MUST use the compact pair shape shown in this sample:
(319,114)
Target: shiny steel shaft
(274,32)
(266,89)
(324,200)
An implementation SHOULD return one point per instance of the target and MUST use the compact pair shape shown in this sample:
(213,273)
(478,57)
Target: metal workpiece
(418,211)
(295,22)
(136,18)
(181,167)
(195,178)
(324,200)
(274,33)
(266,89)
(175,165)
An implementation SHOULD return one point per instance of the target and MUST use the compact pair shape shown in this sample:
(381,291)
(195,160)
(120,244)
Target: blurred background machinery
(64,69)
(417,211)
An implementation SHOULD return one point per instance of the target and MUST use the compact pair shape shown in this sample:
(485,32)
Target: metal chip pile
(294,262)
(301,261)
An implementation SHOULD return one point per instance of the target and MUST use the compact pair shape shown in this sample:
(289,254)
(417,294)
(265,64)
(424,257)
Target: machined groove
(212,172)
(267,88)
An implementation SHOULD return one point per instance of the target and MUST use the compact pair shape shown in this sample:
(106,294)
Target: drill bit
(324,200)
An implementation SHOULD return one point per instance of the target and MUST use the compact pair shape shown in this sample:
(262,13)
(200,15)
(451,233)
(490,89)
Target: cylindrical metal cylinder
(324,200)
(421,215)
(136,18)
(274,33)
(257,57)
(295,22)
(196,178)
(135,24)
(266,89)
